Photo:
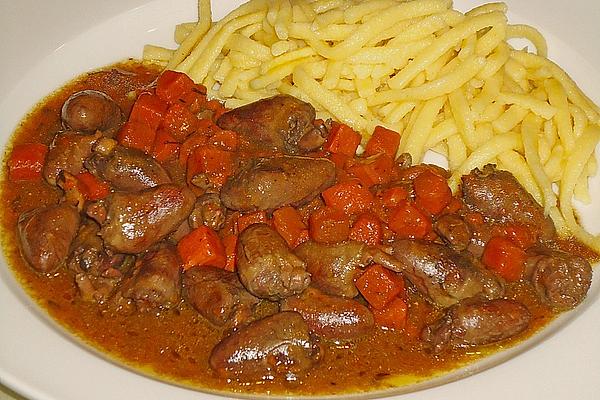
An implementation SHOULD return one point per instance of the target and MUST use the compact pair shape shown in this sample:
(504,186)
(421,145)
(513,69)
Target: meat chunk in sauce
(278,124)
(88,249)
(45,236)
(454,231)
(266,265)
(219,296)
(91,110)
(136,221)
(334,267)
(156,282)
(127,169)
(331,317)
(270,183)
(443,275)
(275,347)
(68,152)
(477,322)
(498,195)
(561,280)
(208,211)
(97,272)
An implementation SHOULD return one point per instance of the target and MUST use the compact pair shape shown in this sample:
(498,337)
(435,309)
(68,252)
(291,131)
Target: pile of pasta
(449,82)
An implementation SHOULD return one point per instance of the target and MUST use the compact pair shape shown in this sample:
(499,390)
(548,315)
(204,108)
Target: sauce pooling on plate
(253,250)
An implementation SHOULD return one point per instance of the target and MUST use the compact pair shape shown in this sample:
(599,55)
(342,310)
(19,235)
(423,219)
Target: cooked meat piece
(312,140)
(331,317)
(90,110)
(156,283)
(219,296)
(97,273)
(45,236)
(101,283)
(128,169)
(562,280)
(270,183)
(454,231)
(88,249)
(266,265)
(208,211)
(477,322)
(72,191)
(178,234)
(136,221)
(275,347)
(443,275)
(278,124)
(498,195)
(333,268)
(67,153)
(480,235)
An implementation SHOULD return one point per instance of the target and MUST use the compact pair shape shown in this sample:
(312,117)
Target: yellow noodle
(447,81)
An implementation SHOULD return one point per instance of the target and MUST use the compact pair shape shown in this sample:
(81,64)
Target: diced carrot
(391,197)
(383,140)
(350,197)
(201,247)
(165,146)
(453,207)
(379,286)
(26,161)
(410,173)
(342,139)
(339,160)
(392,316)
(432,236)
(172,86)
(137,135)
(230,244)
(432,192)
(408,222)
(180,122)
(217,164)
(91,187)
(193,141)
(504,257)
(374,170)
(207,127)
(367,229)
(148,109)
(216,107)
(288,223)
(248,219)
(329,225)
(387,235)
(195,100)
(518,234)
(228,140)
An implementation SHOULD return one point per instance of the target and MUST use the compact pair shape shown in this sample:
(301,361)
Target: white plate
(45,43)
